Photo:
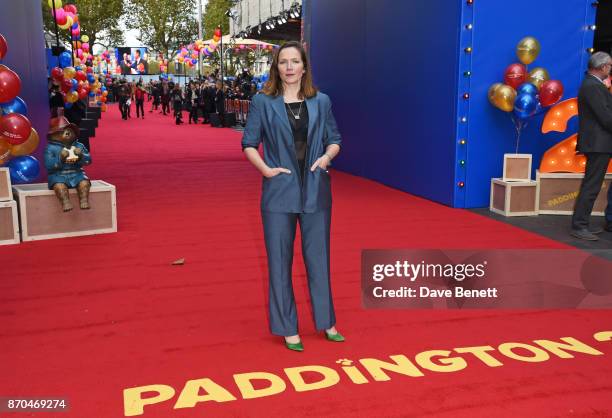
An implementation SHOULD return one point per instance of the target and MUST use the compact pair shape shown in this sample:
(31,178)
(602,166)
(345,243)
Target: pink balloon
(85,47)
(59,13)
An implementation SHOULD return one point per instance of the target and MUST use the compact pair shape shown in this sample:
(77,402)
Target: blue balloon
(75,83)
(24,169)
(68,105)
(525,106)
(103,88)
(17,105)
(75,25)
(77,68)
(65,59)
(92,94)
(527,88)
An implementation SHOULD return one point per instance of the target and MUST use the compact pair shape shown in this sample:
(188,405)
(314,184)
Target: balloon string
(518,137)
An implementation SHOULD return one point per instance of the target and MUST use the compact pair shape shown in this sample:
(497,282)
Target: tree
(163,25)
(98,20)
(214,16)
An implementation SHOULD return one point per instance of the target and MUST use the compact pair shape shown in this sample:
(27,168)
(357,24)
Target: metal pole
(200,36)
(57,41)
(221,59)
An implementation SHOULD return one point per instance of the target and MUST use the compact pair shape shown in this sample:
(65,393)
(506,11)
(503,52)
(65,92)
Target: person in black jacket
(177,104)
(191,102)
(595,141)
(209,99)
(220,101)
(202,98)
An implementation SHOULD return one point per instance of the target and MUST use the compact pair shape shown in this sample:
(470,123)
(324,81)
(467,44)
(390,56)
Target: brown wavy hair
(274,85)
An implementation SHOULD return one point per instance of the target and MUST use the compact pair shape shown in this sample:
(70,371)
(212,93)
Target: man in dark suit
(594,141)
(139,60)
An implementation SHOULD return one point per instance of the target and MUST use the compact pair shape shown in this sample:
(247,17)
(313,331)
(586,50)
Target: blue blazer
(268,122)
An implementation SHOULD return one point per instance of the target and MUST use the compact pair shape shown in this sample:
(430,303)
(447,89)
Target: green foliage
(98,20)
(214,16)
(163,25)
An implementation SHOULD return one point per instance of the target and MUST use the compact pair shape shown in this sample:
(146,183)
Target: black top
(298,119)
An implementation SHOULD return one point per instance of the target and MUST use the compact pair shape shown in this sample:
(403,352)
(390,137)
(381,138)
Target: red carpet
(88,317)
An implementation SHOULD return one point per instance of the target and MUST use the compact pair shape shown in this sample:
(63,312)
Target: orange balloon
(27,147)
(557,117)
(5,151)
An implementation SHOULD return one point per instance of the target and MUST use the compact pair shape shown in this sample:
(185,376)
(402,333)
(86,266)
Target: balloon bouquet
(17,137)
(525,93)
(209,48)
(75,75)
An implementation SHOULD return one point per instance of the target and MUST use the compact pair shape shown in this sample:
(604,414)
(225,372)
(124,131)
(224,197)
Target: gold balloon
(504,97)
(72,97)
(69,73)
(528,50)
(57,4)
(27,147)
(85,38)
(491,93)
(5,151)
(538,76)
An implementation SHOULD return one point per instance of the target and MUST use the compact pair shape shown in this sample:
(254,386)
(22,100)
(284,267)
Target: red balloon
(66,85)
(57,73)
(81,76)
(82,94)
(10,84)
(515,75)
(15,128)
(3,47)
(550,92)
(70,8)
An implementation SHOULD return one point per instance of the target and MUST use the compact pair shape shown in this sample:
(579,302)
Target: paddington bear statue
(64,160)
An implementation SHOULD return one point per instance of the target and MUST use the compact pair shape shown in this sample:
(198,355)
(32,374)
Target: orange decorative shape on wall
(562,158)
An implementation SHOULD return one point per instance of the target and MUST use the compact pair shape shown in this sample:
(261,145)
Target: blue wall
(21,25)
(389,67)
(394,70)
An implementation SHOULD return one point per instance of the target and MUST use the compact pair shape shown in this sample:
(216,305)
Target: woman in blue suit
(300,137)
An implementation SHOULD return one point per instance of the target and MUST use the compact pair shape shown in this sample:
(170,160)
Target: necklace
(299,110)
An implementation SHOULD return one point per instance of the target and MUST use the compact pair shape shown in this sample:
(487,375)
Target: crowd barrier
(239,107)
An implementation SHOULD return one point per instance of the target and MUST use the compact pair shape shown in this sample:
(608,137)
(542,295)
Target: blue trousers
(279,234)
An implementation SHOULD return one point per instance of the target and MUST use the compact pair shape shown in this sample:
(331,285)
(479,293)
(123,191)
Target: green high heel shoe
(295,347)
(337,337)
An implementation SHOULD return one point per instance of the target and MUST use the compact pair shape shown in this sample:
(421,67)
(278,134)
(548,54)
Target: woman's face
(290,66)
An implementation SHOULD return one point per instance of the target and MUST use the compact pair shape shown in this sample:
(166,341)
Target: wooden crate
(557,193)
(41,215)
(6,192)
(513,198)
(9,224)
(517,167)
